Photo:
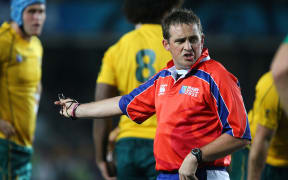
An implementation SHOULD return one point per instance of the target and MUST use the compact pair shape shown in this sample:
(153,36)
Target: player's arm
(279,70)
(37,95)
(266,116)
(5,127)
(102,127)
(258,152)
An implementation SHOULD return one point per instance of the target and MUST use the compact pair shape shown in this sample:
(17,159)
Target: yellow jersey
(137,56)
(20,75)
(267,112)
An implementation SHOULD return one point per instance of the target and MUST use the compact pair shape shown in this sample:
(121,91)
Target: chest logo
(189,90)
(19,58)
(162,89)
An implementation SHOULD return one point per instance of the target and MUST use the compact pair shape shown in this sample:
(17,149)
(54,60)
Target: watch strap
(198,154)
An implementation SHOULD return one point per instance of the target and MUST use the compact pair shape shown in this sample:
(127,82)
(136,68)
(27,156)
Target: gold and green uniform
(267,112)
(20,74)
(258,115)
(131,61)
(137,56)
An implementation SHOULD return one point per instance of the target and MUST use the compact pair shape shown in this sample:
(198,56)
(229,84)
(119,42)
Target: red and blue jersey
(191,112)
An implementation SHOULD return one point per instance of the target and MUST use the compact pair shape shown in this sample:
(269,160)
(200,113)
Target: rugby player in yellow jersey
(279,69)
(268,157)
(20,73)
(137,56)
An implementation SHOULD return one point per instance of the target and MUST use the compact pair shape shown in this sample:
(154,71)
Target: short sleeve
(266,114)
(139,105)
(107,72)
(265,109)
(230,106)
(4,51)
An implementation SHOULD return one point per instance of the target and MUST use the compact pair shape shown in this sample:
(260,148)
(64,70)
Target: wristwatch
(198,154)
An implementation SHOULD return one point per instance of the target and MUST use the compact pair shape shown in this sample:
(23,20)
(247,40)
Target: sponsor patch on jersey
(189,90)
(267,113)
(19,58)
(162,89)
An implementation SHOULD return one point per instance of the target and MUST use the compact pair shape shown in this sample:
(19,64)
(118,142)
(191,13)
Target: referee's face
(185,44)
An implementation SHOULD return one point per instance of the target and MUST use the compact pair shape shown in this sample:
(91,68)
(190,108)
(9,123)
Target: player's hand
(188,168)
(104,171)
(108,167)
(6,128)
(112,138)
(110,161)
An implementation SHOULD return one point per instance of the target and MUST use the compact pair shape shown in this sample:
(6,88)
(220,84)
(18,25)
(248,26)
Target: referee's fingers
(64,101)
(57,102)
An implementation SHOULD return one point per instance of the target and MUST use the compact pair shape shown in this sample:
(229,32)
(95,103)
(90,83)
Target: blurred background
(242,35)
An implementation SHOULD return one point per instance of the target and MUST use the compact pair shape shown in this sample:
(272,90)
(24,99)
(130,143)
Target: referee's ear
(166,44)
(202,39)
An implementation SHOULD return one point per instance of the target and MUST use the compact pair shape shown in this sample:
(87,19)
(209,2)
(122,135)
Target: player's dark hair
(179,16)
(148,11)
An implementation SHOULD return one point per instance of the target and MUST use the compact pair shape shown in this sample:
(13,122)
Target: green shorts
(15,161)
(239,165)
(275,173)
(135,159)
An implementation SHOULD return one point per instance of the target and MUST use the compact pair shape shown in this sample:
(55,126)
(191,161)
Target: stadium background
(243,35)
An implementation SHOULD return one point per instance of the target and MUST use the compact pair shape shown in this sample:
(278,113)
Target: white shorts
(217,175)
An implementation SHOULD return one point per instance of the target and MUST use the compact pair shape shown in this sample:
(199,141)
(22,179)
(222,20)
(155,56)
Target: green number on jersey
(145,59)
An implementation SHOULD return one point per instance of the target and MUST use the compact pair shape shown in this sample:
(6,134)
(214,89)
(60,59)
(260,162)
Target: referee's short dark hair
(148,11)
(179,16)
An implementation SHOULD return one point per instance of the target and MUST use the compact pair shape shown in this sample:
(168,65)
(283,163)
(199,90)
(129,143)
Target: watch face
(198,154)
(195,151)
